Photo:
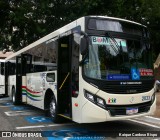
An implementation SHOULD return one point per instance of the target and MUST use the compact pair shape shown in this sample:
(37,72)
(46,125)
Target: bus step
(65,116)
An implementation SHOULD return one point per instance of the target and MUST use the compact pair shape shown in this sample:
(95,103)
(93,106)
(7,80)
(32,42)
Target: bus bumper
(92,113)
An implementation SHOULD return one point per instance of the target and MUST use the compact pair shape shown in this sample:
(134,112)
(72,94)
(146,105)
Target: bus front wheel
(53,110)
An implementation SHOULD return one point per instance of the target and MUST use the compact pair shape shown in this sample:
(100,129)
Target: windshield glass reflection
(117,57)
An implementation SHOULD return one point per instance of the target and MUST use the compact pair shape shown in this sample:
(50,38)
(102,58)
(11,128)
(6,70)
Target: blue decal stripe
(32,98)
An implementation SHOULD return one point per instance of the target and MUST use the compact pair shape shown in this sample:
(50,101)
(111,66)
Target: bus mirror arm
(84,43)
(83,46)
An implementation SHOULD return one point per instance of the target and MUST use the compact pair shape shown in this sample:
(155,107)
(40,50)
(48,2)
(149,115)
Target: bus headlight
(100,102)
(89,96)
(95,99)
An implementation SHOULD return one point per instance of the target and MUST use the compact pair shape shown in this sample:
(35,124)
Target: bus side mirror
(83,45)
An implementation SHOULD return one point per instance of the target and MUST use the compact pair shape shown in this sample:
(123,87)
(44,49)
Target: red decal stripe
(33,92)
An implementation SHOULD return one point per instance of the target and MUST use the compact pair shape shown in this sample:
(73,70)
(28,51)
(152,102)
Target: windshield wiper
(116,44)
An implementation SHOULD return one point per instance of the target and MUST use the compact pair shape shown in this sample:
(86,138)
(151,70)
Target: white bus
(2,90)
(95,69)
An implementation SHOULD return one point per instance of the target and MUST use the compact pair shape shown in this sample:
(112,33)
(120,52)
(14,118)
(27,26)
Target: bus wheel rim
(13,96)
(52,108)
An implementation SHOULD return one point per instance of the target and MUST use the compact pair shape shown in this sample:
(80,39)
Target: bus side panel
(2,84)
(34,90)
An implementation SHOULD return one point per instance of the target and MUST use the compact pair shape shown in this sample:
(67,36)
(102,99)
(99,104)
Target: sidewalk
(157,113)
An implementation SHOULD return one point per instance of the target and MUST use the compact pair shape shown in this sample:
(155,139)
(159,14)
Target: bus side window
(50,77)
(39,68)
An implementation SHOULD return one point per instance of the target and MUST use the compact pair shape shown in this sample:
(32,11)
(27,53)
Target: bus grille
(130,89)
(121,109)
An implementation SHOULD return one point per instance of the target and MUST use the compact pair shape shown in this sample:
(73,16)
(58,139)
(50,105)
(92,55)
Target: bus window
(50,77)
(39,68)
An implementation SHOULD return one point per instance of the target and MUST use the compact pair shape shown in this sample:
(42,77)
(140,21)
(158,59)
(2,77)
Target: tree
(4,16)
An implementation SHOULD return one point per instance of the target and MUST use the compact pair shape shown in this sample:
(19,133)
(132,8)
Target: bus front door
(64,90)
(68,75)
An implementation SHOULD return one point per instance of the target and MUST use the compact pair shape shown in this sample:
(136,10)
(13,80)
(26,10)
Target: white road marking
(158,119)
(17,113)
(144,123)
(38,126)
(7,106)
(5,98)
(27,127)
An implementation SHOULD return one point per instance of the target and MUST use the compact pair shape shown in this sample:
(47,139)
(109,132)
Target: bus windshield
(118,59)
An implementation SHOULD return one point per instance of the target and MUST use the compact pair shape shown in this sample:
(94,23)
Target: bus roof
(63,30)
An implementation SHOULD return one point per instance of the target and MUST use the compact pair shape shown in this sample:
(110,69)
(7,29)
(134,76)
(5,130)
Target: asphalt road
(27,121)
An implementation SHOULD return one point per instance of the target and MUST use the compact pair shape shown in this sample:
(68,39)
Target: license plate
(130,111)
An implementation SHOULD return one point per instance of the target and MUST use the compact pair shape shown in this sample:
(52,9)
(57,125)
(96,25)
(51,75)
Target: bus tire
(53,110)
(14,97)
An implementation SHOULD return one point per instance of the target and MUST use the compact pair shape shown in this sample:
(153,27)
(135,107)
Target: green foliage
(23,22)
